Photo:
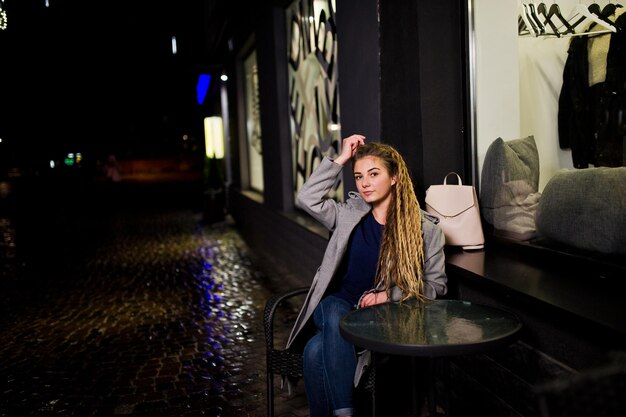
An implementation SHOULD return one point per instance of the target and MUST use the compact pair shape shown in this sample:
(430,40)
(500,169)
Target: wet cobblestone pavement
(142,310)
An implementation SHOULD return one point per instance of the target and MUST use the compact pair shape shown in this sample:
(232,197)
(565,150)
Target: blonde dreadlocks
(401,256)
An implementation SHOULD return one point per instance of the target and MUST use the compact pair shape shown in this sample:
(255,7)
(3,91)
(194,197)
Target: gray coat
(341,218)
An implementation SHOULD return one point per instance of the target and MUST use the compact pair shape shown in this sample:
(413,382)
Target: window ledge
(572,287)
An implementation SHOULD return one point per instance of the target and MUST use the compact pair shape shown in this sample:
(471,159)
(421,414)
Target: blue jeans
(329,362)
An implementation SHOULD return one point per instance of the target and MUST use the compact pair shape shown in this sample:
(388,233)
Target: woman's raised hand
(348,148)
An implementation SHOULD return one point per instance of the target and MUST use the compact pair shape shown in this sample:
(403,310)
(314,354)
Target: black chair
(288,362)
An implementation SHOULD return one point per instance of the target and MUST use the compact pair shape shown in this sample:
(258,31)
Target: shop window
(518,54)
(253,123)
(313,87)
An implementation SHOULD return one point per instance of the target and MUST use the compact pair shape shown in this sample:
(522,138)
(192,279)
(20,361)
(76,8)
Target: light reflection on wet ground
(130,312)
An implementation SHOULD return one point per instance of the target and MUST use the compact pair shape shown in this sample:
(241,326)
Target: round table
(431,329)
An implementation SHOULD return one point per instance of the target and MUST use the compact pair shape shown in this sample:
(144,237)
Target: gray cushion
(509,185)
(585,209)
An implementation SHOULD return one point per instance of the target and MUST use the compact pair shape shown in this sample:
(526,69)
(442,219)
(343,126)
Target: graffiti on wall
(313,87)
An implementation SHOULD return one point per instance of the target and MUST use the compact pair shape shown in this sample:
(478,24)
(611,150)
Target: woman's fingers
(374,298)
(348,148)
(358,139)
(354,141)
(368,300)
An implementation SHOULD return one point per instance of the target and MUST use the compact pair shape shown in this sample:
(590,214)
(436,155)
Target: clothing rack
(545,19)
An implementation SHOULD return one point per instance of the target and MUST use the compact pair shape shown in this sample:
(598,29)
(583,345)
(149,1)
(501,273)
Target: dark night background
(100,77)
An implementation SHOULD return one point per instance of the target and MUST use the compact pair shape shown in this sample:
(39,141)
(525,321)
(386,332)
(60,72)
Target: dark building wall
(288,246)
(399,83)
(421,87)
(441,32)
(274,93)
(402,71)
(359,71)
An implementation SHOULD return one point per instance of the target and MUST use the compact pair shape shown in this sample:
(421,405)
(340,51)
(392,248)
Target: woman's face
(373,180)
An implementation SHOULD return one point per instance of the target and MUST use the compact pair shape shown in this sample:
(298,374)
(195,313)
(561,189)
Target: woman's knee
(332,310)
(312,354)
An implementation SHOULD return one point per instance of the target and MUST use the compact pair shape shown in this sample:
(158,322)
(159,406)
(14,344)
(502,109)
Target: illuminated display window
(313,87)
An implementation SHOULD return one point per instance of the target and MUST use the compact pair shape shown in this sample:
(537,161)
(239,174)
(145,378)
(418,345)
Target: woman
(383,248)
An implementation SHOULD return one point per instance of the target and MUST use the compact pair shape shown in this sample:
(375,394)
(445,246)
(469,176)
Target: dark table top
(430,329)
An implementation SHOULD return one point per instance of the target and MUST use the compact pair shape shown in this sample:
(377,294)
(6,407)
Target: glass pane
(313,88)
(253,123)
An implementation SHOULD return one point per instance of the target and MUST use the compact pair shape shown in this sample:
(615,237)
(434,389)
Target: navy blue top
(361,259)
